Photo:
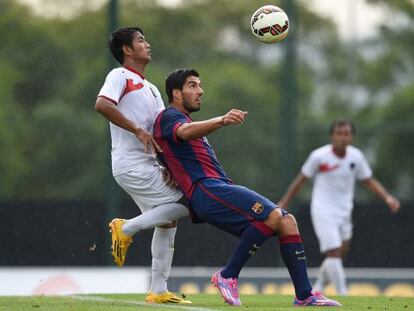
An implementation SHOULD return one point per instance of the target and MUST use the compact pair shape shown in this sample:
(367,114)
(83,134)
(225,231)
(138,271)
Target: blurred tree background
(54,144)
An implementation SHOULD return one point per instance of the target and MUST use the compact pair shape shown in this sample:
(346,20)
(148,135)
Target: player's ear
(176,93)
(127,50)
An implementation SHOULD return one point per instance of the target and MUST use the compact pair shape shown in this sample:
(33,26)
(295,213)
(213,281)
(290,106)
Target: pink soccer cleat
(317,299)
(228,288)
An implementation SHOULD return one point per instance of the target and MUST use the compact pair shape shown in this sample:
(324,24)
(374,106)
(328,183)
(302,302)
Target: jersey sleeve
(364,171)
(113,87)
(159,102)
(171,120)
(311,165)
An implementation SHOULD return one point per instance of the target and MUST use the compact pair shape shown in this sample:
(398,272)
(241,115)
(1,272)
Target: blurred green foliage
(54,144)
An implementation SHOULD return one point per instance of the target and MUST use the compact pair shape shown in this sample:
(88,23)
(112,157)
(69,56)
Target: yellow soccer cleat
(120,241)
(166,297)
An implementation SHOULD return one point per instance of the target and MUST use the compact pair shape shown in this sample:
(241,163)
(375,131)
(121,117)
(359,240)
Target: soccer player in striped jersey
(216,200)
(335,168)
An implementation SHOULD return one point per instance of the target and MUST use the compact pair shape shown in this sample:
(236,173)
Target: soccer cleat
(228,288)
(120,241)
(166,297)
(316,300)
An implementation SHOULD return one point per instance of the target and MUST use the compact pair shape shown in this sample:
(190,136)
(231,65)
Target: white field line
(139,303)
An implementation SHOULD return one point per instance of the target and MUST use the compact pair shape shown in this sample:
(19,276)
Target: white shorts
(331,231)
(148,188)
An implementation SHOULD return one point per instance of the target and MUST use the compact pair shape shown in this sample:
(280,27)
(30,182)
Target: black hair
(119,38)
(340,123)
(176,80)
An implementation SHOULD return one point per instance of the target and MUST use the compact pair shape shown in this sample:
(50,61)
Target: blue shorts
(227,206)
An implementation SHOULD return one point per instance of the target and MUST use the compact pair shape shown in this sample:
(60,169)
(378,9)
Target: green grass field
(200,303)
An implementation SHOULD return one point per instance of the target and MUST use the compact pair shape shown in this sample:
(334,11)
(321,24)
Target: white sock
(322,279)
(336,274)
(162,249)
(157,216)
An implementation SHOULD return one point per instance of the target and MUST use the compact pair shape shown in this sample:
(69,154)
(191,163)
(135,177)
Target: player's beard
(190,108)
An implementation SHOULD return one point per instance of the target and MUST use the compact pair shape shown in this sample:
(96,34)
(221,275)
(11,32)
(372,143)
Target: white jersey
(139,101)
(334,179)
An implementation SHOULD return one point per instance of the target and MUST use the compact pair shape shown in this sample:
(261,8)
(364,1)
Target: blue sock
(293,255)
(250,241)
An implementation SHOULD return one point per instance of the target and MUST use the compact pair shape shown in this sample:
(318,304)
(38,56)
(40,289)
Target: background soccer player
(131,104)
(335,168)
(216,200)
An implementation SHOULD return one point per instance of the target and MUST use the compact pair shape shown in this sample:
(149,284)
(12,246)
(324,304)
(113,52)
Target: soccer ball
(270,24)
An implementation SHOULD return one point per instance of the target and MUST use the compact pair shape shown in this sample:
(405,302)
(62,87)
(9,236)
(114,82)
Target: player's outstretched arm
(113,115)
(292,190)
(198,129)
(376,187)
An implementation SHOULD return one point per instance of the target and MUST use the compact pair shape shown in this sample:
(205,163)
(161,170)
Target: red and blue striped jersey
(188,161)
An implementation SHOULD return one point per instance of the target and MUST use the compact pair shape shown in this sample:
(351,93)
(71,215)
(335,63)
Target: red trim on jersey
(208,167)
(174,166)
(226,204)
(174,131)
(134,71)
(325,167)
(293,238)
(110,99)
(131,86)
(177,125)
(157,124)
(263,228)
(181,176)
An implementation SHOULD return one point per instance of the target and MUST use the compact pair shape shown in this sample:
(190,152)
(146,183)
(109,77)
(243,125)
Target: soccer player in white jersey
(335,167)
(130,103)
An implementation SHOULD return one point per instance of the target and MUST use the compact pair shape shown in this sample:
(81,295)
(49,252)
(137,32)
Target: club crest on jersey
(257,208)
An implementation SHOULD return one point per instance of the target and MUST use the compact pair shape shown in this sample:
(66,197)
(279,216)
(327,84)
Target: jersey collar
(338,155)
(187,115)
(134,71)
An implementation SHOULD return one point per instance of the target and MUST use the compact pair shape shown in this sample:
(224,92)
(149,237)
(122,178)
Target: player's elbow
(101,105)
(368,182)
(184,136)
(98,105)
(184,133)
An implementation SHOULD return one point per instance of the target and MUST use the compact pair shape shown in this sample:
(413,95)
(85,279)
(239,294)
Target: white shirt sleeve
(363,169)
(114,86)
(160,102)
(311,165)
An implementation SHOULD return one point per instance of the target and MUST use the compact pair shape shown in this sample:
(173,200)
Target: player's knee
(288,225)
(274,219)
(172,224)
(290,221)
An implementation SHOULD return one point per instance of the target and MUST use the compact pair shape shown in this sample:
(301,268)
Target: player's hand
(234,116)
(393,203)
(168,178)
(148,140)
